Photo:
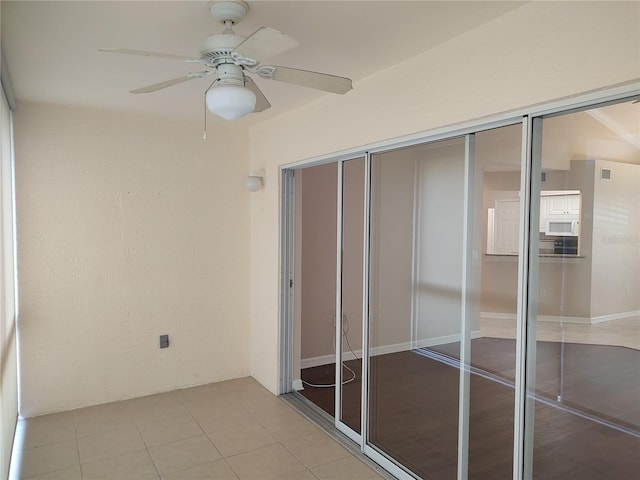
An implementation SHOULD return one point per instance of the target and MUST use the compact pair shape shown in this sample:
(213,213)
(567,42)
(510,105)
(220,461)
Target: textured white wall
(128,228)
(441,233)
(536,53)
(391,246)
(615,253)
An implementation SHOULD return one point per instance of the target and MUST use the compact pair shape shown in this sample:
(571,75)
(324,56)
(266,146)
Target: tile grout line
(202,433)
(265,428)
(127,410)
(146,446)
(230,456)
(323,421)
(77,438)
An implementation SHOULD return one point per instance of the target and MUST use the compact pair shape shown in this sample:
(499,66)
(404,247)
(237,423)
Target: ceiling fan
(228,58)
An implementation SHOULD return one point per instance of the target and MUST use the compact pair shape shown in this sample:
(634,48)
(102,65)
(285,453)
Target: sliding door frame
(287,269)
(338,319)
(340,425)
(467,303)
(366,243)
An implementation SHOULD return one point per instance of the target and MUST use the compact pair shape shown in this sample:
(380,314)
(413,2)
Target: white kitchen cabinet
(563,204)
(544,213)
(573,204)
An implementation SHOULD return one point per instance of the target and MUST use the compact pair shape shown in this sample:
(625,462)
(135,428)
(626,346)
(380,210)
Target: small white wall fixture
(255,181)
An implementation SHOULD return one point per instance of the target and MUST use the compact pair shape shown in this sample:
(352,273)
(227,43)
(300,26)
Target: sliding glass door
(481,298)
(314,282)
(329,257)
(350,303)
(585,328)
(442,319)
(493,252)
(417,198)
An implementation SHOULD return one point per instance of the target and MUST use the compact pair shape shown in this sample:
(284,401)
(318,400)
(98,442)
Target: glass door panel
(315,228)
(493,252)
(443,297)
(586,322)
(415,303)
(353,182)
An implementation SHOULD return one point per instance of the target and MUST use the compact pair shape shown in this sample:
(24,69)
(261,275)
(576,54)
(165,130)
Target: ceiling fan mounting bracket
(217,48)
(228,10)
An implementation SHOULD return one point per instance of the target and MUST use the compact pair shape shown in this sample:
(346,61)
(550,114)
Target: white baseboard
(431,342)
(564,319)
(327,359)
(541,318)
(615,316)
(498,316)
(385,350)
(297,385)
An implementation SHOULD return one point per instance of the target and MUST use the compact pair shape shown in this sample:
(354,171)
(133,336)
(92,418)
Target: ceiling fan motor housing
(228,11)
(217,48)
(230,74)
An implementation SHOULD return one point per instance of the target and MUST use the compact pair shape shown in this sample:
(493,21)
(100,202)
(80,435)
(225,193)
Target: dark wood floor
(414,411)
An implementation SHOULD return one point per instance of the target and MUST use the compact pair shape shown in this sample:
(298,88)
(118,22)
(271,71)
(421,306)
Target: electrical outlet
(164,341)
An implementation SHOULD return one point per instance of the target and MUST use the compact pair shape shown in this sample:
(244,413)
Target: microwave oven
(563,227)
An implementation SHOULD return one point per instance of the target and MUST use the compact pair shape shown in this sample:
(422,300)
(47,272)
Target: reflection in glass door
(321,191)
(315,279)
(417,198)
(586,321)
(493,277)
(433,308)
(442,320)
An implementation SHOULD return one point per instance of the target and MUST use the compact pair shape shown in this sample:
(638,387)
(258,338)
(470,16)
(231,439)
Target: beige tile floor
(229,430)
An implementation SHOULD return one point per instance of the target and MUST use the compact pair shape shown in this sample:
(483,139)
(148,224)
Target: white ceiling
(51,47)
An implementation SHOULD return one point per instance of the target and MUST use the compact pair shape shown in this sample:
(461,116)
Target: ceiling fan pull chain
(204,134)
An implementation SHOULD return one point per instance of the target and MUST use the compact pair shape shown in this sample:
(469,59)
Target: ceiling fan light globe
(231,102)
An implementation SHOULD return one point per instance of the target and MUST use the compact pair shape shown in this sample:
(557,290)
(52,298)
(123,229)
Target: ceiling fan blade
(169,83)
(126,51)
(261,101)
(264,43)
(306,78)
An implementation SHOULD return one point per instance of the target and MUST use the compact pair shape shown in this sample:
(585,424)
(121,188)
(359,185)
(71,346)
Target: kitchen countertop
(545,257)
